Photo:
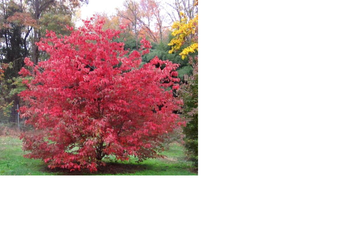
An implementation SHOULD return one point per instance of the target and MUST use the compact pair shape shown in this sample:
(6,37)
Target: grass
(12,162)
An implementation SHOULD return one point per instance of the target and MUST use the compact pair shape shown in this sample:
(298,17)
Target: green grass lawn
(12,162)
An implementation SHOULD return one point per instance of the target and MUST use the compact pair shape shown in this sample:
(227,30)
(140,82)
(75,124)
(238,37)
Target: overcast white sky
(104,6)
(100,6)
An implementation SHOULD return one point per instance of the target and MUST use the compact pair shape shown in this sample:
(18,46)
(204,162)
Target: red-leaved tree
(93,98)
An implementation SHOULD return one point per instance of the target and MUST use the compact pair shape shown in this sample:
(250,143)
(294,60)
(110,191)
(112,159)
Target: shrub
(93,98)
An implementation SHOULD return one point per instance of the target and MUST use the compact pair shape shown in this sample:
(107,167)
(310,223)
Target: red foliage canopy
(93,98)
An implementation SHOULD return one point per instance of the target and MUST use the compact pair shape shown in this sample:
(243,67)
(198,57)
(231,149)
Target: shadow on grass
(108,169)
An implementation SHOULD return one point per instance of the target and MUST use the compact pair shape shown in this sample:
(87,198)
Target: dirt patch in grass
(117,168)
(194,170)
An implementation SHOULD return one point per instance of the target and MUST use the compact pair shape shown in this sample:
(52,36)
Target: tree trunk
(99,152)
(36,4)
(35,47)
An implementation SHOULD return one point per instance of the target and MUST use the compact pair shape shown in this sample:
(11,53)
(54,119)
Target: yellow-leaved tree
(185,33)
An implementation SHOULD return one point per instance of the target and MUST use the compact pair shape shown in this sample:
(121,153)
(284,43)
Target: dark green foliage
(191,129)
(162,52)
(131,44)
